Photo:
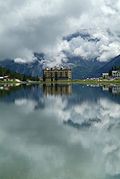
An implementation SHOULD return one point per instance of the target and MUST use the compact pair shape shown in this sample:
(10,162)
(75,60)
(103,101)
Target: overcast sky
(29,26)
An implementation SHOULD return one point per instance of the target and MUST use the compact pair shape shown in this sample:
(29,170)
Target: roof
(115,71)
(54,69)
(3,77)
(105,73)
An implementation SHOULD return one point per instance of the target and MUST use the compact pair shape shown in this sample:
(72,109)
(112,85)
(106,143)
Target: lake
(59,132)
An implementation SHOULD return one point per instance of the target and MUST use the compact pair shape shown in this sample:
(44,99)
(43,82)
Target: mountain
(108,66)
(89,68)
(14,75)
(81,68)
(30,69)
(84,34)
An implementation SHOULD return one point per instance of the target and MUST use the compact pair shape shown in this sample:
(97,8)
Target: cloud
(103,49)
(26,105)
(38,143)
(28,26)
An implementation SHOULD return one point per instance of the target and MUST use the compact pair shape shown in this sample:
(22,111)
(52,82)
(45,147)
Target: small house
(105,75)
(116,74)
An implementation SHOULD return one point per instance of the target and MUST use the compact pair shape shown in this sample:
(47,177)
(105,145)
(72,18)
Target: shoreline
(76,81)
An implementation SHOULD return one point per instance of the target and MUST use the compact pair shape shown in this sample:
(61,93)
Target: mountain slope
(30,69)
(81,68)
(108,66)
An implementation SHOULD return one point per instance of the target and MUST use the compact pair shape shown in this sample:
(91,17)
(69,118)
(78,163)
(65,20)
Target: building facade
(105,75)
(55,74)
(116,74)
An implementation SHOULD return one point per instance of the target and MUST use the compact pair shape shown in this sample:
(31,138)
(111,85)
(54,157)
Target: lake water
(59,132)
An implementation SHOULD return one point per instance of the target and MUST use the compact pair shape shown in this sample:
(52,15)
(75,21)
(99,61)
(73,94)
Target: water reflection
(59,136)
(57,89)
(113,89)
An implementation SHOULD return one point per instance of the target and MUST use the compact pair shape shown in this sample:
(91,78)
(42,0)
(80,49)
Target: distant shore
(99,81)
(76,81)
(86,81)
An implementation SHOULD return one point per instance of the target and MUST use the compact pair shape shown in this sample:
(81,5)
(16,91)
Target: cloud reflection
(44,144)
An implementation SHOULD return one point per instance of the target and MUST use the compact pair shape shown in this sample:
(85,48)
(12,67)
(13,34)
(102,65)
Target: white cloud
(26,105)
(47,147)
(100,45)
(29,26)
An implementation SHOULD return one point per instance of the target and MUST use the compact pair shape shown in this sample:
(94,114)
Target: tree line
(14,75)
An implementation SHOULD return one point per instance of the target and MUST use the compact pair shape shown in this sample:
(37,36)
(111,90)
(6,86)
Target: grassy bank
(96,82)
(87,81)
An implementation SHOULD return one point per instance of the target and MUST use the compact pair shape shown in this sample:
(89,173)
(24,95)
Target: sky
(29,26)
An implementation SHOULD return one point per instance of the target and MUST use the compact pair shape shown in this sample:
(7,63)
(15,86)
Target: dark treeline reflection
(73,93)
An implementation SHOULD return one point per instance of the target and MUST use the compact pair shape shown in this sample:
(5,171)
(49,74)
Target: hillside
(81,68)
(108,66)
(14,75)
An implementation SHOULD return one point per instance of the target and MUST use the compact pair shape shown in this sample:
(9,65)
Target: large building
(54,74)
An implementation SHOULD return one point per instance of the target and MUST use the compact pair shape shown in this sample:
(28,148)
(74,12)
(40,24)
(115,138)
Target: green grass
(102,82)
(94,82)
(77,81)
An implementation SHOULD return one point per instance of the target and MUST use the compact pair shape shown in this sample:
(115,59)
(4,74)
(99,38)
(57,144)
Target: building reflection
(112,89)
(57,89)
(115,89)
(8,86)
(6,89)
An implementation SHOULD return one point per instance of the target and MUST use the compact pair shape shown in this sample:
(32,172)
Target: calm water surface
(59,132)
